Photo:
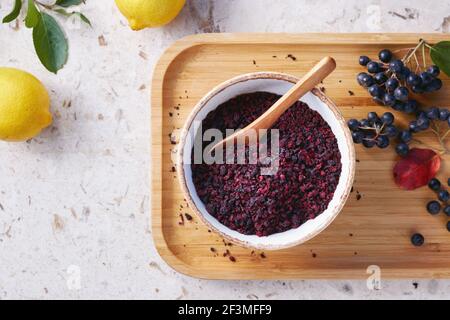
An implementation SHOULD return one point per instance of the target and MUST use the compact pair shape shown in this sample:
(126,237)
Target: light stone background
(75,200)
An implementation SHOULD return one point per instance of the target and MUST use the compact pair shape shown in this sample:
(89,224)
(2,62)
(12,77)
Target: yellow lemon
(149,13)
(24,105)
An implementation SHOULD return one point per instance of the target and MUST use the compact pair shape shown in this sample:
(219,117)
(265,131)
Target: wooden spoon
(319,72)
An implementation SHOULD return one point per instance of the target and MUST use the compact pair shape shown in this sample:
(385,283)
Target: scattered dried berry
(290,56)
(181,222)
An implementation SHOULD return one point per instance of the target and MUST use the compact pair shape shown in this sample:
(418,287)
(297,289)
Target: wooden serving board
(376,224)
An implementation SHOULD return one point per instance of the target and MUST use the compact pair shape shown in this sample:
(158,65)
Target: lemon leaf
(440,54)
(78,14)
(68,3)
(33,15)
(50,43)
(14,13)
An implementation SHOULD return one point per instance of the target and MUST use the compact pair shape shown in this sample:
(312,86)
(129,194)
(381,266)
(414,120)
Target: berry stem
(423,57)
(445,134)
(410,54)
(440,138)
(440,151)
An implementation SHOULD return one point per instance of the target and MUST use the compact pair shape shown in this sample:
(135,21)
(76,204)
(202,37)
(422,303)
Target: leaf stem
(46,6)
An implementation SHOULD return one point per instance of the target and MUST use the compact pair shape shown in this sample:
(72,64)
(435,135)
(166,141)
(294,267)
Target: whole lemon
(149,13)
(24,105)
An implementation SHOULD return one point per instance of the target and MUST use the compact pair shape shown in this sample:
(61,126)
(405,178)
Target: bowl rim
(272,76)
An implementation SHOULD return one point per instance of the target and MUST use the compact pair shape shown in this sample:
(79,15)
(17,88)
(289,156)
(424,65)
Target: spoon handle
(319,72)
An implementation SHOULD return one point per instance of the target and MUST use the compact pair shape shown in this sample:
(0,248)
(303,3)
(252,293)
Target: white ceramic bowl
(279,84)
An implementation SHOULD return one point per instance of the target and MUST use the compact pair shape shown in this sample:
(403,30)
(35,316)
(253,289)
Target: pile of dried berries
(309,169)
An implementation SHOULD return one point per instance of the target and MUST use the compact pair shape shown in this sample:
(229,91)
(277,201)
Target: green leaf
(50,43)
(440,54)
(78,14)
(84,18)
(33,15)
(68,3)
(14,13)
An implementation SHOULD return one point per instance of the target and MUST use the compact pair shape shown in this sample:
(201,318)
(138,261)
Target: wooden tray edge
(191,41)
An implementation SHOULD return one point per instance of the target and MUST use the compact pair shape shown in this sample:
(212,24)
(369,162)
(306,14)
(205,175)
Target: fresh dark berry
(401,93)
(369,143)
(380,78)
(447,210)
(405,136)
(448,121)
(387,118)
(375,90)
(426,78)
(434,184)
(391,131)
(417,239)
(448,182)
(414,127)
(423,123)
(402,149)
(432,113)
(379,100)
(433,207)
(357,136)
(405,72)
(364,123)
(396,66)
(433,71)
(364,60)
(413,80)
(385,55)
(434,85)
(389,99)
(373,67)
(373,117)
(443,195)
(448,225)
(382,142)
(353,124)
(391,84)
(365,79)
(443,114)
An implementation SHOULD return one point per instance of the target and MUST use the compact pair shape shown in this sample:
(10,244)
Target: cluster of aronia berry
(374,131)
(388,84)
(434,207)
(378,130)
(389,81)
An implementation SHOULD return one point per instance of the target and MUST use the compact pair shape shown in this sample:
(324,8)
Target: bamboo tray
(376,224)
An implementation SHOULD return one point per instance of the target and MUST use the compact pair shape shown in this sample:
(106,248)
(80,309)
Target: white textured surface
(77,197)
